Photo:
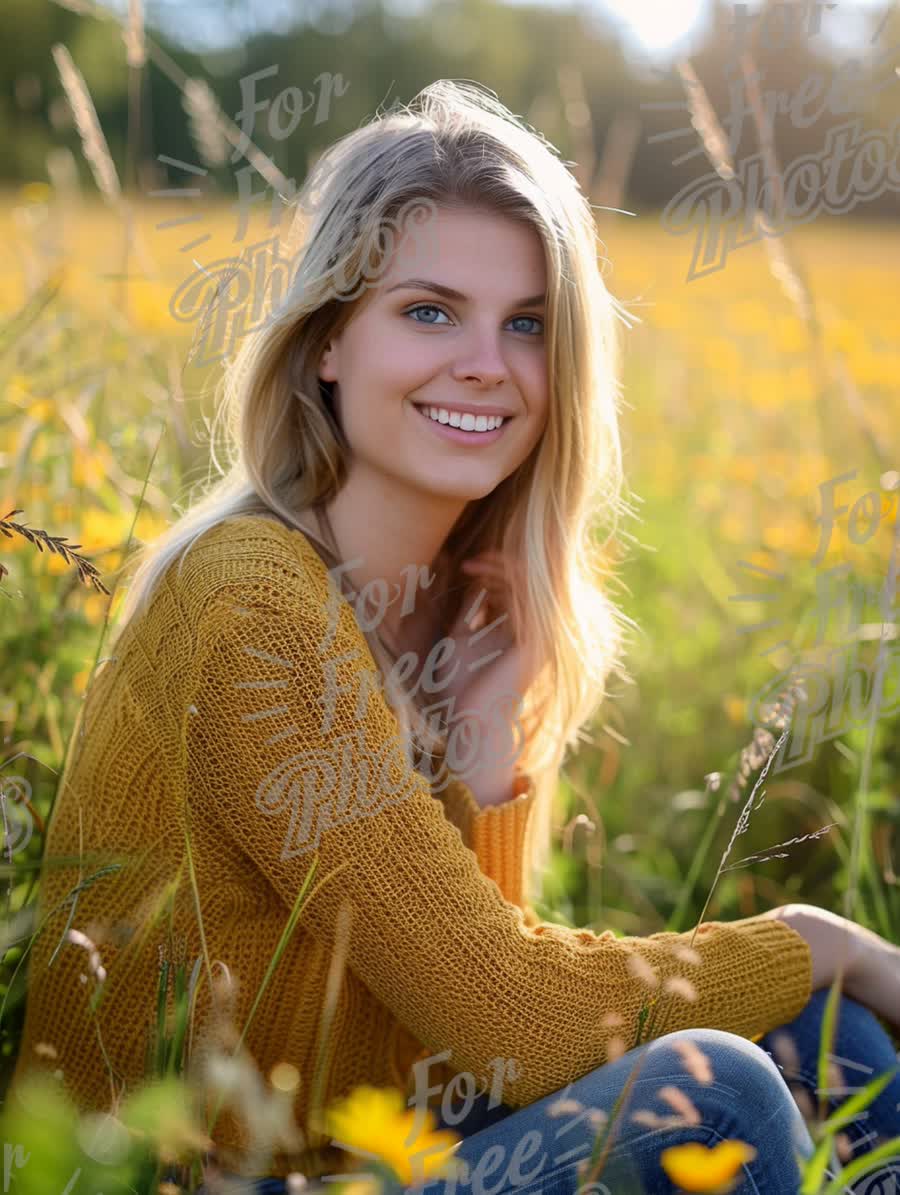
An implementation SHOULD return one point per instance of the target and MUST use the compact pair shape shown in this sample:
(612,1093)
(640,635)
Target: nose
(482,363)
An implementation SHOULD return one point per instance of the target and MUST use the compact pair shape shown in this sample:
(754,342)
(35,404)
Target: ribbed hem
(498,834)
(500,838)
(786,973)
(798,966)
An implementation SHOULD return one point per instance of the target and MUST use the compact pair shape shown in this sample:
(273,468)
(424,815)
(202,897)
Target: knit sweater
(242,709)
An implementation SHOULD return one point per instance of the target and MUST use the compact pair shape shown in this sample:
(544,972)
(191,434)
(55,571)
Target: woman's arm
(871,966)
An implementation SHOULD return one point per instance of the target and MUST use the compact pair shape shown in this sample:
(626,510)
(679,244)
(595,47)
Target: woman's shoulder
(255,561)
(243,531)
(248,543)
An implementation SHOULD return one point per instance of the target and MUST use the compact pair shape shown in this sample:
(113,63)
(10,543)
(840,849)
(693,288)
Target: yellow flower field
(738,406)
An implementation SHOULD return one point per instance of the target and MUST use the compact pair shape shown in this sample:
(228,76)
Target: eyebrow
(449,293)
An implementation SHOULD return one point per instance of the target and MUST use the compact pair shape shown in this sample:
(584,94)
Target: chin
(453,491)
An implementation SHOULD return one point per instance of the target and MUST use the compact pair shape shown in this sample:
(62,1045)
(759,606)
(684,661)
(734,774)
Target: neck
(386,534)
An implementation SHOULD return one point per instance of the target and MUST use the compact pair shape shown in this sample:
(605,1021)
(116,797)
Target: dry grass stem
(96,151)
(133,35)
(681,1103)
(206,122)
(56,543)
(705,121)
(696,1063)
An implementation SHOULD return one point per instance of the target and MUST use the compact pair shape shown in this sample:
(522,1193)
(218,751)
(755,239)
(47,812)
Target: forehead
(467,249)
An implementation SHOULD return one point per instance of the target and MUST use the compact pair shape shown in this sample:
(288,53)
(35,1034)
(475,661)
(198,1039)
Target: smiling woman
(254,728)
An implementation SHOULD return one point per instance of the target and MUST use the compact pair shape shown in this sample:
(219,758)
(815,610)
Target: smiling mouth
(463,422)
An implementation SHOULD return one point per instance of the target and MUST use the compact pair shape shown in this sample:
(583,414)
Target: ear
(327,364)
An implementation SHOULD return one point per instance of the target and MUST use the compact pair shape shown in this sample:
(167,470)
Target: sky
(660,28)
(652,29)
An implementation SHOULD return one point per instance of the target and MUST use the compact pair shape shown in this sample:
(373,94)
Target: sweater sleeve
(296,753)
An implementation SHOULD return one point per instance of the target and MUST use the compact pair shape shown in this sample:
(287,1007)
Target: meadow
(745,393)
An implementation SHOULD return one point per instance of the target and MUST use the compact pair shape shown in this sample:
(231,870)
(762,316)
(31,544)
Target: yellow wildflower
(35,192)
(359,1186)
(736,709)
(375,1122)
(694,1167)
(80,680)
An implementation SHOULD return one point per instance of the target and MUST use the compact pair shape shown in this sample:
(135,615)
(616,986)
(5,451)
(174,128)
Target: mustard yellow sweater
(235,708)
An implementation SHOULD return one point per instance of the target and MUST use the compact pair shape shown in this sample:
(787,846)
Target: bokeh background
(747,387)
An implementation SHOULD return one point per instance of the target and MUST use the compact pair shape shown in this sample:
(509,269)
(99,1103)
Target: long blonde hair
(456,145)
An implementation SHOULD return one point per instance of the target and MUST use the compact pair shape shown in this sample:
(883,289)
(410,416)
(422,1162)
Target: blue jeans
(259,1186)
(750,1098)
(533,1152)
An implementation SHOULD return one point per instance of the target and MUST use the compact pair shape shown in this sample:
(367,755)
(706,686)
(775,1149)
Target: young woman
(350,673)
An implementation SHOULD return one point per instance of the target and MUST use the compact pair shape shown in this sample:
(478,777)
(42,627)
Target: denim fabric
(258,1186)
(861,1050)
(531,1152)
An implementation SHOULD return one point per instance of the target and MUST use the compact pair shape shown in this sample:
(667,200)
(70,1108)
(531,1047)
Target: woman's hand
(871,965)
(493,673)
(875,980)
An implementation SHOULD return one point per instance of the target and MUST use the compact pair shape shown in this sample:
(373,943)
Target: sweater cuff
(787,973)
(500,838)
(797,966)
(498,834)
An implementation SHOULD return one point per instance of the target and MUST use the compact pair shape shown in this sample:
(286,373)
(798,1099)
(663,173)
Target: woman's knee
(702,1085)
(718,1069)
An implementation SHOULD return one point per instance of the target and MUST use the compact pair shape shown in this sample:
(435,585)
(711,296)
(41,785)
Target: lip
(457,435)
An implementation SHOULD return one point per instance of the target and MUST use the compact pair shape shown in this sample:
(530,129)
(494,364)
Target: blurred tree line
(564,69)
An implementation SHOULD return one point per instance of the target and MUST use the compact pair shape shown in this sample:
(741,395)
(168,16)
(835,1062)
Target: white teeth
(467,422)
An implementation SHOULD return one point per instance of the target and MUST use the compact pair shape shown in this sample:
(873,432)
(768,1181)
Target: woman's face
(408,347)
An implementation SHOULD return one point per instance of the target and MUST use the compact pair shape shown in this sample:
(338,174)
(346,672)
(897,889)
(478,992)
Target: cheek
(537,381)
(540,406)
(398,372)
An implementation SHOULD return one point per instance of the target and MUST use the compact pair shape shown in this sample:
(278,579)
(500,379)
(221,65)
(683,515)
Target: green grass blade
(814,1170)
(860,1100)
(826,1038)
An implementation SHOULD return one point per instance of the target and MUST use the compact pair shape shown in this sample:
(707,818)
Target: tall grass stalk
(279,951)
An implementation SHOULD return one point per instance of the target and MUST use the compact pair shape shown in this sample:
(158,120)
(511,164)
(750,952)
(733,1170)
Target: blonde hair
(456,145)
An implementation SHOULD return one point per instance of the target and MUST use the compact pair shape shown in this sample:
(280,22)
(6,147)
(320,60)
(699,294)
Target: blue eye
(433,307)
(534,319)
(424,307)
